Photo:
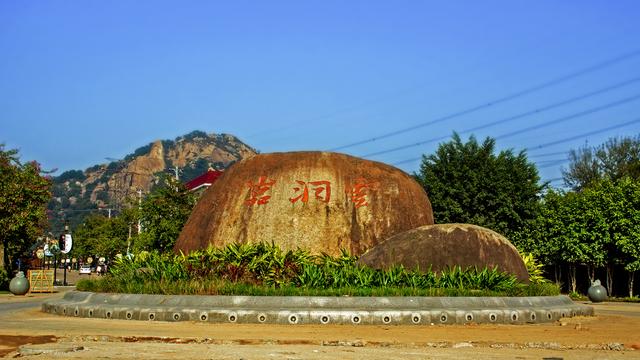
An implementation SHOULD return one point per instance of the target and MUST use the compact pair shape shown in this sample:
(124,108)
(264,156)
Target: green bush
(89,285)
(265,269)
(539,289)
(4,279)
(574,295)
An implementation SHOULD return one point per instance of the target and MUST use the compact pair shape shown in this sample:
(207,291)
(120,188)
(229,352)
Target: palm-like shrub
(238,267)
(535,269)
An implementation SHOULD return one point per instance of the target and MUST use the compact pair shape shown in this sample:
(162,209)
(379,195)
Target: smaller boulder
(444,246)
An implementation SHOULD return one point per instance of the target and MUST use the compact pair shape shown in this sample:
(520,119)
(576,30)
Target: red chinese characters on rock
(257,191)
(358,192)
(321,189)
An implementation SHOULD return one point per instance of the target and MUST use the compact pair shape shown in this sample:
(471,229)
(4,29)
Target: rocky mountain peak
(107,186)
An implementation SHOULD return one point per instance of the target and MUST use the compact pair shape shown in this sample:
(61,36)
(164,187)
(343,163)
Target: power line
(555,163)
(539,165)
(514,117)
(583,135)
(509,97)
(530,128)
(554,179)
(406,161)
(344,109)
(550,161)
(556,142)
(548,154)
(571,117)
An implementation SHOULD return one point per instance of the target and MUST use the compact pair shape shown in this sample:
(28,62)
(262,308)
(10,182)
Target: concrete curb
(318,309)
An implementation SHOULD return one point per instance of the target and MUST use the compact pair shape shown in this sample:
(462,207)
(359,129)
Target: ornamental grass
(266,270)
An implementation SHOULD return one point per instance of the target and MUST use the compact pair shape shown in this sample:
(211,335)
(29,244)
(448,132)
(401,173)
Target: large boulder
(319,201)
(447,245)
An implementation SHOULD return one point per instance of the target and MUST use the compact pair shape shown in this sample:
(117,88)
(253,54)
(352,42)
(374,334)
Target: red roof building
(204,181)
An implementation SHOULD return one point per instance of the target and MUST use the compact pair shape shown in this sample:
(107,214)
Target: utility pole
(139,211)
(177,170)
(129,242)
(63,238)
(119,193)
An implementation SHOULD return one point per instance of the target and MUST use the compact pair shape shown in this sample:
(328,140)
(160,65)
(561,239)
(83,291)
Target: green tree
(544,237)
(24,194)
(613,160)
(469,183)
(620,203)
(163,214)
(597,227)
(100,236)
(581,227)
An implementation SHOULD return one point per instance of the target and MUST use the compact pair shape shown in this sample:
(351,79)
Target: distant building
(202,182)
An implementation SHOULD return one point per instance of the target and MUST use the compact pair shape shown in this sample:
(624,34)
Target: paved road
(617,308)
(10,303)
(13,306)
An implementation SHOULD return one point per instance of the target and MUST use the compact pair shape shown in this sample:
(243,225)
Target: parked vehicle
(85,270)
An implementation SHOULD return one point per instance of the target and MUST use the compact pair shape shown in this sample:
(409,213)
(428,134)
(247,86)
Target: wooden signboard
(41,281)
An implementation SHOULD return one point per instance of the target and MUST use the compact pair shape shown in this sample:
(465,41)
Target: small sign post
(41,281)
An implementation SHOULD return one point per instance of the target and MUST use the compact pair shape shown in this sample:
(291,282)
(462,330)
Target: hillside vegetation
(78,193)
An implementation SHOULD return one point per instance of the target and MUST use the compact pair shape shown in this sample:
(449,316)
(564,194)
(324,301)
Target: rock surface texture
(447,245)
(319,201)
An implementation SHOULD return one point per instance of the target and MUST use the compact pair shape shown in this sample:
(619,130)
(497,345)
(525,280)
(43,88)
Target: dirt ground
(9,343)
(143,351)
(613,334)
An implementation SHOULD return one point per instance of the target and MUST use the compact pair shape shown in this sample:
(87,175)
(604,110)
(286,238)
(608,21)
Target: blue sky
(85,80)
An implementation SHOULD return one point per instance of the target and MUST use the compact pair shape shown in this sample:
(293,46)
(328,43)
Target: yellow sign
(41,281)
